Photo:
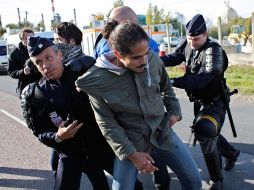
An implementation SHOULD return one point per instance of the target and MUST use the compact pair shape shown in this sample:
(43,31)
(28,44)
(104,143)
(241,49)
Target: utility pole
(26,18)
(219,31)
(168,37)
(42,19)
(252,40)
(75,18)
(0,21)
(19,17)
(42,22)
(53,7)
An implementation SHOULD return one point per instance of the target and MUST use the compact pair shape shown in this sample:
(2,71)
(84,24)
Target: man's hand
(68,132)
(173,119)
(143,162)
(182,66)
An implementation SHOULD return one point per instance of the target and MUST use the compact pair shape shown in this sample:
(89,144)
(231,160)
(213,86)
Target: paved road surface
(24,162)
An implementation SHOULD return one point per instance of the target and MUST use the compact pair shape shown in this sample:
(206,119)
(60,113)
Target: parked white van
(3,56)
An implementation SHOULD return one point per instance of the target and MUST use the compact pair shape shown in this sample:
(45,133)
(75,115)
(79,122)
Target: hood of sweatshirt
(104,61)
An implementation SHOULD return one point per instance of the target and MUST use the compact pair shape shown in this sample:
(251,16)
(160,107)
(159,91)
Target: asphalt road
(24,162)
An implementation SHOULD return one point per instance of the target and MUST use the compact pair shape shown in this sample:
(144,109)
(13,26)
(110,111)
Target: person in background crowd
(120,14)
(19,64)
(205,66)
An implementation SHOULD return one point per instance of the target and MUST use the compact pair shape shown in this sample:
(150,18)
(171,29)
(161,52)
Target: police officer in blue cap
(205,65)
(62,118)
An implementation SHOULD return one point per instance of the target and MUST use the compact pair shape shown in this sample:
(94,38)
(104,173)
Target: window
(3,50)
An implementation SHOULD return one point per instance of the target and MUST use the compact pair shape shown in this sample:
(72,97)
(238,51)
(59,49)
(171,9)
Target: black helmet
(206,126)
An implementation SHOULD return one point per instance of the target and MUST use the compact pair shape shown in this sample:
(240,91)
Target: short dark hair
(68,31)
(125,36)
(25,30)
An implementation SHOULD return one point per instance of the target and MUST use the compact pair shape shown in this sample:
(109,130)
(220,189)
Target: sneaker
(216,185)
(230,163)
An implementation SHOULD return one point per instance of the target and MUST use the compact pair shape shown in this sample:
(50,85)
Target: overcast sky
(84,8)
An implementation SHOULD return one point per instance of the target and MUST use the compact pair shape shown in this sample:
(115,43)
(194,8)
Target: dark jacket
(204,69)
(62,98)
(17,60)
(102,46)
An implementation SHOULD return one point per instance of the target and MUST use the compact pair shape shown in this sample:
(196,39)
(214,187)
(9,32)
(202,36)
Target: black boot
(228,151)
(217,185)
(213,166)
(231,159)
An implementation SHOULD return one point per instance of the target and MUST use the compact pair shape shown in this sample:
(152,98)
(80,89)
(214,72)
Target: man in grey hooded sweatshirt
(135,108)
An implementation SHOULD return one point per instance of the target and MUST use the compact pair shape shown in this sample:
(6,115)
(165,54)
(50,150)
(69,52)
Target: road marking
(13,117)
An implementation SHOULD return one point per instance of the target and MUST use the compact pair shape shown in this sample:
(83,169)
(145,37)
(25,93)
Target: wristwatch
(57,139)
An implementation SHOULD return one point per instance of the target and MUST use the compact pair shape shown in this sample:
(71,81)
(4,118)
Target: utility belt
(209,101)
(202,99)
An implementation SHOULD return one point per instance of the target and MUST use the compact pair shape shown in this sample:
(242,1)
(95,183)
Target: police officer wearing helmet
(54,99)
(205,66)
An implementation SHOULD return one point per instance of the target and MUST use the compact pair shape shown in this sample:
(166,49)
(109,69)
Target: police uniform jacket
(54,101)
(204,69)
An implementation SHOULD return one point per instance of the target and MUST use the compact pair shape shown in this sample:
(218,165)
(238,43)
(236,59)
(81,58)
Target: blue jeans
(178,158)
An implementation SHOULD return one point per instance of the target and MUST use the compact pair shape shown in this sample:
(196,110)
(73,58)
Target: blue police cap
(36,45)
(196,26)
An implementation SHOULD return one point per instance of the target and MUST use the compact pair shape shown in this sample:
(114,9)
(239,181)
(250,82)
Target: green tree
(2,31)
(118,3)
(157,15)
(247,25)
(149,14)
(99,16)
(154,15)
(12,26)
(167,18)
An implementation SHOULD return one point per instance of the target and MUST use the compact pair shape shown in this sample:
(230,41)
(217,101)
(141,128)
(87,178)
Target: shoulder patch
(209,59)
(209,50)
(208,67)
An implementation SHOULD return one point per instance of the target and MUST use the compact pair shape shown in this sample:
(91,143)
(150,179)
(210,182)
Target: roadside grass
(240,77)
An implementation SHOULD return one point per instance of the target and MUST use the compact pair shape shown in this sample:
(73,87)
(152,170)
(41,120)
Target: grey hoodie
(130,108)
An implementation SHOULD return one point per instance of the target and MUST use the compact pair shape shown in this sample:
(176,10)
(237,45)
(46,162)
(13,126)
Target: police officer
(53,100)
(205,66)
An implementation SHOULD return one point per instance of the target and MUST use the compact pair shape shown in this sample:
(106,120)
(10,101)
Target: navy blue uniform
(204,71)
(87,151)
